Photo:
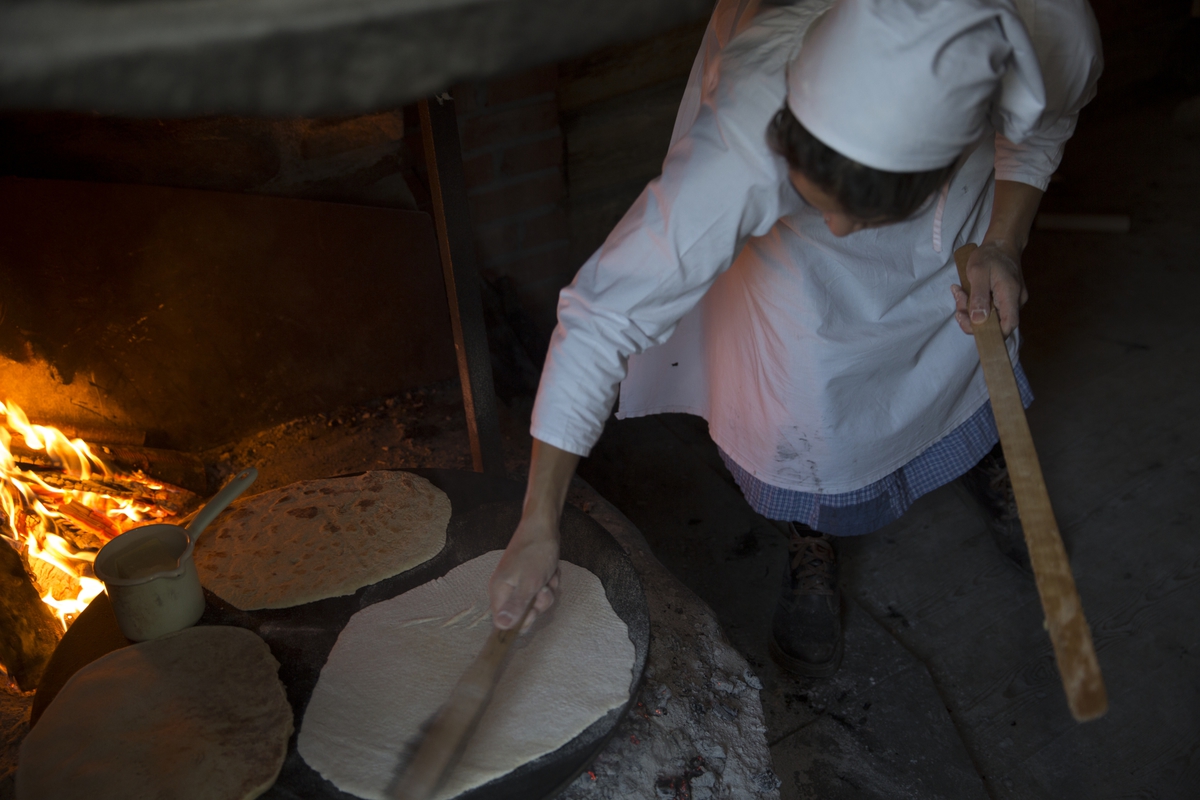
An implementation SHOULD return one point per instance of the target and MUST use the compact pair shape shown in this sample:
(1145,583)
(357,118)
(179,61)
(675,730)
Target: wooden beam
(452,218)
(1069,632)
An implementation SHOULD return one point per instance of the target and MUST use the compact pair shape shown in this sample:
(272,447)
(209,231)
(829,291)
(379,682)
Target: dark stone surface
(14,724)
(29,632)
(287,57)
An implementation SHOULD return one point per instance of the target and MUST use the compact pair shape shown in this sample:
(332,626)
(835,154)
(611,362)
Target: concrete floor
(948,688)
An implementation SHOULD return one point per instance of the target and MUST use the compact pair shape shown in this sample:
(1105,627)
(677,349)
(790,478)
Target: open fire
(61,503)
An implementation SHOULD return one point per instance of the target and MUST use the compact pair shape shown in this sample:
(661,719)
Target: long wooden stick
(447,737)
(1069,632)
(452,220)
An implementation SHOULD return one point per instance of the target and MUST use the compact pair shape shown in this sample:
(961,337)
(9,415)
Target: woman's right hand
(528,570)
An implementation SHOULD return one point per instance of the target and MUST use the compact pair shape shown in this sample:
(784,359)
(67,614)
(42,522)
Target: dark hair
(864,192)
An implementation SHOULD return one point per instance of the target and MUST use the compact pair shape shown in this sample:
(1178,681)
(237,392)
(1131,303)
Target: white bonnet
(906,85)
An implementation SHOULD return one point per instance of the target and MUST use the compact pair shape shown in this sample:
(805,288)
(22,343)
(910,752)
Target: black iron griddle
(484,514)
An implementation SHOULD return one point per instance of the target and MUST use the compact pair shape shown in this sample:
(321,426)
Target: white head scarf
(906,85)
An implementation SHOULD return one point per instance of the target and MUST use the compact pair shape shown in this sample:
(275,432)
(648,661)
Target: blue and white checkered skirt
(884,501)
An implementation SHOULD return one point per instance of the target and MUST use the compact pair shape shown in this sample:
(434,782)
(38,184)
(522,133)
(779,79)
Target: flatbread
(396,662)
(325,538)
(196,715)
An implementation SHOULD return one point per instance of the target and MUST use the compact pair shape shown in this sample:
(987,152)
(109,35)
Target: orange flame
(31,507)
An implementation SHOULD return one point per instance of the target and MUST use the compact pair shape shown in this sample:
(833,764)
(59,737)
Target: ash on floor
(696,731)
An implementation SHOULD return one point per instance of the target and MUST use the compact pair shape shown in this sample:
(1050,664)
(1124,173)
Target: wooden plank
(1069,632)
(454,724)
(452,218)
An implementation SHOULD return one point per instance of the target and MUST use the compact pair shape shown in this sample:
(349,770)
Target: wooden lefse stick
(447,737)
(1069,632)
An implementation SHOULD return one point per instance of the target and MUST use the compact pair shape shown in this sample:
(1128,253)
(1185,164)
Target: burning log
(174,500)
(60,502)
(89,520)
(104,435)
(28,630)
(181,470)
(178,472)
(101,435)
(111,488)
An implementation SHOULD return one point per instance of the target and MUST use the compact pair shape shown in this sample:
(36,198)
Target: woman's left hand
(994,272)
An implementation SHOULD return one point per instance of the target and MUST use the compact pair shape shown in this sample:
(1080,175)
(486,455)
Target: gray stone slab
(1147,631)
(872,659)
(1133,414)
(288,57)
(976,621)
(891,739)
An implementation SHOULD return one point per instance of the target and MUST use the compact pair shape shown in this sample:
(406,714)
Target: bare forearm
(528,570)
(1013,209)
(550,471)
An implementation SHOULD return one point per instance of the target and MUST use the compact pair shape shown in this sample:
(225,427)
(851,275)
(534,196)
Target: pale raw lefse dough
(196,715)
(324,538)
(396,662)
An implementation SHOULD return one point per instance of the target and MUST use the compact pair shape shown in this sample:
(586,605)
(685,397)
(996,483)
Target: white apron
(821,364)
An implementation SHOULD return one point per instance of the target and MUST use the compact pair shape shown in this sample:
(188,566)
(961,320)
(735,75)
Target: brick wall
(513,159)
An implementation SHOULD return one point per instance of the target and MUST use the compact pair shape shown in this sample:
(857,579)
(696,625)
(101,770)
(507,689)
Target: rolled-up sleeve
(720,185)
(1067,41)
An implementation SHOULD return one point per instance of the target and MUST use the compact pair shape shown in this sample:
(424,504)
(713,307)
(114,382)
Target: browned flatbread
(196,715)
(323,538)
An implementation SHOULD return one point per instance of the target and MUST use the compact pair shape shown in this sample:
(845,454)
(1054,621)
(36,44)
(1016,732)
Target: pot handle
(232,491)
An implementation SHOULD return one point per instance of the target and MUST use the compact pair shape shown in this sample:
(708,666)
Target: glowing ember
(61,503)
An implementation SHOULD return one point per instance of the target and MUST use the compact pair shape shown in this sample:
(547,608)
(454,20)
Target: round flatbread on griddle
(196,715)
(324,538)
(395,663)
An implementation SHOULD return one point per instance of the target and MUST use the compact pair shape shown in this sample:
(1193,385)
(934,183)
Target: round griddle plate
(485,512)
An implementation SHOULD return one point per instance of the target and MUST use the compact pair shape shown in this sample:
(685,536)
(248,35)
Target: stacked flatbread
(196,715)
(396,662)
(324,538)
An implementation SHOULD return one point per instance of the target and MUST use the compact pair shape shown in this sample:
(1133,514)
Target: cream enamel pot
(150,575)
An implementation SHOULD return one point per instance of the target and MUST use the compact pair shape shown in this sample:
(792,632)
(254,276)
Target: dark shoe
(806,632)
(988,484)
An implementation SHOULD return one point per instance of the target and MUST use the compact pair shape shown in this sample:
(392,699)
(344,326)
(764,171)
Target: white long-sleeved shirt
(821,364)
